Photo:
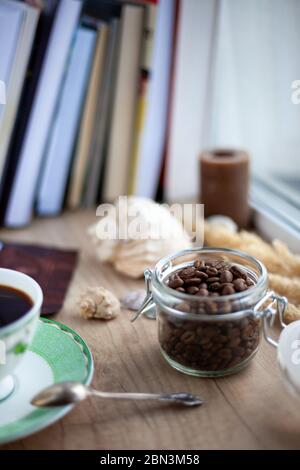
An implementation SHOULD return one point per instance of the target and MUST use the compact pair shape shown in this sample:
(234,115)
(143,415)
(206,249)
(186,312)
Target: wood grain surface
(250,410)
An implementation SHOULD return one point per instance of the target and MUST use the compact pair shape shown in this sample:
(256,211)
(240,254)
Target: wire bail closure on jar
(148,307)
(277,306)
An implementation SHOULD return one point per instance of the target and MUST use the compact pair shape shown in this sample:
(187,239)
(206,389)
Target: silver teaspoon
(66,393)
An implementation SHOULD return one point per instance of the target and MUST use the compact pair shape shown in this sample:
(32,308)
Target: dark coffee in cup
(14,304)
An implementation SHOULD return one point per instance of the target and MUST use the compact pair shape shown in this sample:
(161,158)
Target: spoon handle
(186,399)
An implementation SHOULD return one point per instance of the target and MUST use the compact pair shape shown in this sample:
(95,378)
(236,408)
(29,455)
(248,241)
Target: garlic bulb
(98,302)
(142,233)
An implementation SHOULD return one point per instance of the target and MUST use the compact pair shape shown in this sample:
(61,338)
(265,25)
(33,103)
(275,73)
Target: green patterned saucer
(57,353)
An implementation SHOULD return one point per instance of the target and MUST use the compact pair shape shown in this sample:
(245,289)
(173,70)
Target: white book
(59,150)
(18,73)
(189,106)
(11,20)
(151,149)
(23,190)
(122,126)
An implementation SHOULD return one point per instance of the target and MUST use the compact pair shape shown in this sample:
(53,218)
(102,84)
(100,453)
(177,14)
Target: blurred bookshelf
(88,87)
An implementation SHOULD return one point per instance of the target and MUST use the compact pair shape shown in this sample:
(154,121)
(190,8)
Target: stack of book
(88,113)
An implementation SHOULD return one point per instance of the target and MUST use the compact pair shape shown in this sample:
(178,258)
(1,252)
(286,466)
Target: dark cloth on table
(51,268)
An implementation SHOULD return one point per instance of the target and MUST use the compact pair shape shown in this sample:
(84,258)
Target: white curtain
(256,59)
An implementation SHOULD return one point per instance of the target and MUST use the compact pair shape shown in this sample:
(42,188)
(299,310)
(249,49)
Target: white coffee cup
(16,337)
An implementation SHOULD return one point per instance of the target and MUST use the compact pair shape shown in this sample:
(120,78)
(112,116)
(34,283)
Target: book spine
(21,202)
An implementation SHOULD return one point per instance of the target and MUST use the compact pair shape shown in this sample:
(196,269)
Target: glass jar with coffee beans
(210,304)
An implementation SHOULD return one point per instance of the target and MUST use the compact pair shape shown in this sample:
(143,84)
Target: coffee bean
(238,351)
(249,282)
(192,290)
(201,275)
(238,272)
(180,289)
(193,281)
(212,279)
(202,292)
(204,340)
(188,337)
(184,307)
(226,276)
(233,332)
(233,343)
(228,290)
(247,332)
(187,272)
(199,263)
(210,332)
(225,353)
(212,271)
(175,282)
(239,284)
(215,286)
(221,339)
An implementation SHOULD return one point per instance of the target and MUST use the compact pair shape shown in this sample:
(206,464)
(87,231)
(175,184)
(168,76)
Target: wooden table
(250,410)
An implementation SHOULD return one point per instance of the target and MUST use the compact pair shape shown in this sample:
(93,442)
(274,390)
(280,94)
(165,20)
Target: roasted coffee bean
(199,263)
(180,289)
(225,353)
(188,337)
(202,292)
(212,271)
(228,284)
(226,276)
(210,332)
(203,285)
(247,332)
(228,290)
(187,272)
(249,282)
(233,332)
(212,279)
(221,339)
(192,290)
(201,275)
(239,284)
(204,340)
(184,307)
(175,282)
(238,272)
(193,281)
(233,343)
(215,286)
(238,351)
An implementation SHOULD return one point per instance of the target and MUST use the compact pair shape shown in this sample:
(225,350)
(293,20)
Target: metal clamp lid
(277,306)
(148,306)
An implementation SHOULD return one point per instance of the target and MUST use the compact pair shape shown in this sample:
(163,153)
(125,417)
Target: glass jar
(209,336)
